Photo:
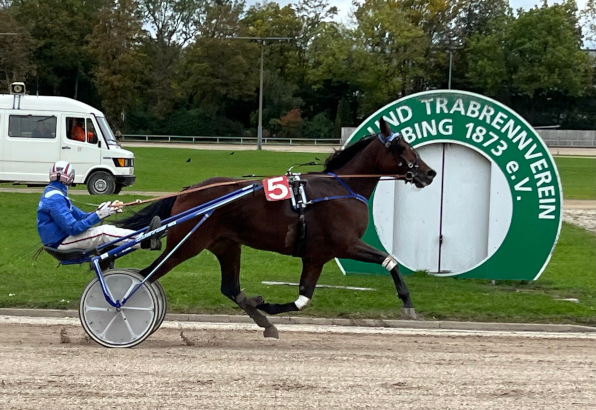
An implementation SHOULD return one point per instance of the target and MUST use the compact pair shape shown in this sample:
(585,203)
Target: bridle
(413,167)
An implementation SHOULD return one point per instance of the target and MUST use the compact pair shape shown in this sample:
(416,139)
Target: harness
(413,166)
(300,202)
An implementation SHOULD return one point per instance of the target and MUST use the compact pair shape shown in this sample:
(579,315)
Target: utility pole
(262,41)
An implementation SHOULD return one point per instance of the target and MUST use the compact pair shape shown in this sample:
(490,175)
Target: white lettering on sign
(277,188)
(548,207)
(425,129)
(522,185)
(399,115)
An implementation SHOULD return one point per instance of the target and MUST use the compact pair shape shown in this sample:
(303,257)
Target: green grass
(194,285)
(578,177)
(160,169)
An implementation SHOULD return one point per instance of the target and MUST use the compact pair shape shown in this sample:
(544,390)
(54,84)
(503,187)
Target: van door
(80,145)
(30,147)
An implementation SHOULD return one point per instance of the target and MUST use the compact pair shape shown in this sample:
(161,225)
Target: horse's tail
(141,219)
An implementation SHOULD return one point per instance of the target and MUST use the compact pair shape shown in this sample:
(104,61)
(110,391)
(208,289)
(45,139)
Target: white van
(36,131)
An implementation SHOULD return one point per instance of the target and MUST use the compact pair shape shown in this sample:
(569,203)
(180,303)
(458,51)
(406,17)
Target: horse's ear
(384,128)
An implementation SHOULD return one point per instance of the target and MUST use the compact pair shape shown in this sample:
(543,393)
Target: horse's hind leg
(366,253)
(228,255)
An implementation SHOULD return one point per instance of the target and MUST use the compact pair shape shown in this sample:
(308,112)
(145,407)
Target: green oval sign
(517,155)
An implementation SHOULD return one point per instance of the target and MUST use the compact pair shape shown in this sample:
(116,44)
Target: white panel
(416,217)
(466,201)
(477,210)
(501,209)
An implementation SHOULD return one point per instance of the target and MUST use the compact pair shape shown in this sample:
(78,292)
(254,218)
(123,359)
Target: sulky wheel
(162,304)
(126,326)
(161,299)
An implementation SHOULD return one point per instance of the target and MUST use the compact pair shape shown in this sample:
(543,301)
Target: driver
(63,226)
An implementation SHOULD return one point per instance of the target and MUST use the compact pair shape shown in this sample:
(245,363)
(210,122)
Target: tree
(480,17)
(544,48)
(589,16)
(172,25)
(221,19)
(389,52)
(116,44)
(485,61)
(269,20)
(216,72)
(319,127)
(281,67)
(331,58)
(172,22)
(61,29)
(291,124)
(536,59)
(477,29)
(15,50)
(311,13)
(343,117)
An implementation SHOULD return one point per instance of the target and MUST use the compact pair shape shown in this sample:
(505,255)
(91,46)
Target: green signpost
(509,143)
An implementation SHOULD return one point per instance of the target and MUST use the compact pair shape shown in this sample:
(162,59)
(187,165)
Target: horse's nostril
(431,173)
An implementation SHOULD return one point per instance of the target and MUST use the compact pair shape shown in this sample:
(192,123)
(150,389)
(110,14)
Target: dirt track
(231,366)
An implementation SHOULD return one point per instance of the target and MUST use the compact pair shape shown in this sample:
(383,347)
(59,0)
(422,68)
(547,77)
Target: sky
(344,6)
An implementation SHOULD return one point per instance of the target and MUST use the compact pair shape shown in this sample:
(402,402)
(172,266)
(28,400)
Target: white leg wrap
(302,302)
(389,263)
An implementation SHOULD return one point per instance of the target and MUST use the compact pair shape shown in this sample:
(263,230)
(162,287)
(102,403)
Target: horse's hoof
(272,332)
(409,313)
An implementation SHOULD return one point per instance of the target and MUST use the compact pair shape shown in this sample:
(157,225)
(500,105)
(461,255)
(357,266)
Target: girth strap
(299,204)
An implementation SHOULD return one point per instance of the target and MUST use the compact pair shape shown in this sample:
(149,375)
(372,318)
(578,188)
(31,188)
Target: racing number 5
(276,188)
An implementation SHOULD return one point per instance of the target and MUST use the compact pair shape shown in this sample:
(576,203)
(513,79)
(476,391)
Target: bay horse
(335,218)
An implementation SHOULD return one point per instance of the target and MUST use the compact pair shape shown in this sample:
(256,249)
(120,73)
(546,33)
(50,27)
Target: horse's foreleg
(363,252)
(311,271)
(228,255)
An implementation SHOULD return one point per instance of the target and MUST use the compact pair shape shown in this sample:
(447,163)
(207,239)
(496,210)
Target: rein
(201,188)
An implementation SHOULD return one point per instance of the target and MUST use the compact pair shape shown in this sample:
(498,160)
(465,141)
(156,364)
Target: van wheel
(101,183)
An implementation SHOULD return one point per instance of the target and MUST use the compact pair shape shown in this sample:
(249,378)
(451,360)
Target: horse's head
(408,161)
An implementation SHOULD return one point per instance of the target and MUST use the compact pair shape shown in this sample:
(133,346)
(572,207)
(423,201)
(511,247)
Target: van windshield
(106,131)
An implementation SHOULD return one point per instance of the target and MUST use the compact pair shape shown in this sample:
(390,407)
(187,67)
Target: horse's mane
(341,157)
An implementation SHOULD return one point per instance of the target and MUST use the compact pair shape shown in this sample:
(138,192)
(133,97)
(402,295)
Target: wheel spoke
(129,327)
(138,308)
(98,309)
(103,334)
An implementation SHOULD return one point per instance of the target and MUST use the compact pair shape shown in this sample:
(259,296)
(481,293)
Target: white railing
(228,140)
(553,138)
(568,138)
